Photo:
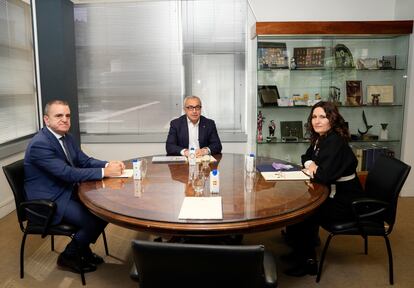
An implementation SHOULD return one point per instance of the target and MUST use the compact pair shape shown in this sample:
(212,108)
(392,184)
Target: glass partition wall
(136,61)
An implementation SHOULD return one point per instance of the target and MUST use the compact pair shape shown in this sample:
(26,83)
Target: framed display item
(268,95)
(291,130)
(354,93)
(272,55)
(343,57)
(384,93)
(309,57)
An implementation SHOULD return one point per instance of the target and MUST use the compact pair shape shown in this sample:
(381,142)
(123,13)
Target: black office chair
(374,214)
(41,213)
(160,264)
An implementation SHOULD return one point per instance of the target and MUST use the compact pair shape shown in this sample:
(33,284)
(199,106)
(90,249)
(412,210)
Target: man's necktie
(66,150)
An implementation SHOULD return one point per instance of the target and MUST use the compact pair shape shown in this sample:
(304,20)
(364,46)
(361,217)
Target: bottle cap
(192,148)
(251,154)
(214,172)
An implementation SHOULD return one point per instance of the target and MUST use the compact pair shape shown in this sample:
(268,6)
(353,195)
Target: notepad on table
(284,175)
(169,159)
(201,208)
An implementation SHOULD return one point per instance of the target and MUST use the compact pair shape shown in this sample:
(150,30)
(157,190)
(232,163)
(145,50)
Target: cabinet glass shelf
(339,107)
(307,141)
(319,75)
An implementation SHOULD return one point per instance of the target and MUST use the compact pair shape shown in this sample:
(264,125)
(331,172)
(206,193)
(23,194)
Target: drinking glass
(198,183)
(143,168)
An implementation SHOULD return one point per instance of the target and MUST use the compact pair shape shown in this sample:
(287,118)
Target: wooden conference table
(153,204)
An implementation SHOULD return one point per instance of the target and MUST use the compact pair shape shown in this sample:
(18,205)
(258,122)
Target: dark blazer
(48,174)
(335,159)
(177,139)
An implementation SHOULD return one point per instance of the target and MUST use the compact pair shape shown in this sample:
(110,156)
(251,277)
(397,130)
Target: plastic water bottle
(250,163)
(136,167)
(192,157)
(214,181)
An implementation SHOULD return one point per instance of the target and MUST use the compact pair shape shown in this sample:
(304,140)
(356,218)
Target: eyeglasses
(192,108)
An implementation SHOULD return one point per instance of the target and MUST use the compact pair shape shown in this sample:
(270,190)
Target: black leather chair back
(385,181)
(195,265)
(15,176)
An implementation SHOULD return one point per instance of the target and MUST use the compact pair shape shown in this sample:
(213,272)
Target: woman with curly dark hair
(328,160)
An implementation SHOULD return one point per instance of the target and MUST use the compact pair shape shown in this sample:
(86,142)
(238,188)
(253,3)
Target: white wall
(6,196)
(323,10)
(404,9)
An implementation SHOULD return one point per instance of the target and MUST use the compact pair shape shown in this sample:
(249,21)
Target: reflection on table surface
(249,203)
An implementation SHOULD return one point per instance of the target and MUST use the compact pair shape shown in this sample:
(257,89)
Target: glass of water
(198,183)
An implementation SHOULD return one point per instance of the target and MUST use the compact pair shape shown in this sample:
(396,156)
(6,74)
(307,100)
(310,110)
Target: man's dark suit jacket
(48,174)
(177,139)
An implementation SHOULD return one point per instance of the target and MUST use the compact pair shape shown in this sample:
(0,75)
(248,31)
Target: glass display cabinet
(361,66)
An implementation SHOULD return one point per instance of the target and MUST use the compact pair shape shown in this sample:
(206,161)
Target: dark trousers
(90,226)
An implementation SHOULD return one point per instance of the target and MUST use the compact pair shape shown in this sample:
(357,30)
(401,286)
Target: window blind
(136,61)
(18,104)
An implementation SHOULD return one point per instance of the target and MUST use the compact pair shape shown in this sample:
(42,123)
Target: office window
(18,104)
(137,60)
(214,36)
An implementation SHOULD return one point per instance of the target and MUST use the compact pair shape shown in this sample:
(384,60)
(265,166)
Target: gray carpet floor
(346,265)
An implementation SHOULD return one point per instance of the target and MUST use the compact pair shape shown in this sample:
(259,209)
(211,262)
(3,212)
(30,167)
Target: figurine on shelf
(384,131)
(272,128)
(367,127)
(260,120)
(292,63)
(375,99)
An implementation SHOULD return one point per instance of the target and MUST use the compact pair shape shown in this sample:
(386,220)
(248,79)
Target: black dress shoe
(310,267)
(71,263)
(93,258)
(291,257)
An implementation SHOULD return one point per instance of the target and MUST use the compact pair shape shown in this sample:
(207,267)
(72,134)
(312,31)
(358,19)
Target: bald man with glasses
(193,130)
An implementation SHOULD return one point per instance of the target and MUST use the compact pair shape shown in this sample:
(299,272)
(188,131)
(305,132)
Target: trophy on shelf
(272,129)
(384,132)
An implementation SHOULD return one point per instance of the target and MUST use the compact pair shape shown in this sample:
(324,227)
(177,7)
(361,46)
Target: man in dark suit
(193,130)
(53,166)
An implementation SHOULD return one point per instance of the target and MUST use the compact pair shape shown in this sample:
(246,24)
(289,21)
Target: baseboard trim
(7,206)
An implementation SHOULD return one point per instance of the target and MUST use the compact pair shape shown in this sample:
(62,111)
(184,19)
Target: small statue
(375,99)
(384,131)
(292,63)
(272,128)
(367,127)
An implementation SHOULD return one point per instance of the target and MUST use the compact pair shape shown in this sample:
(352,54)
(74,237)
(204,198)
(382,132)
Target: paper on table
(127,173)
(201,208)
(285,175)
(169,159)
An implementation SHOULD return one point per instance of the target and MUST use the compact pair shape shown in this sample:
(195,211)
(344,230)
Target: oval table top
(153,204)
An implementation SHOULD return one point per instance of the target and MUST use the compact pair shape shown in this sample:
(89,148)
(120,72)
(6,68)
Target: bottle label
(214,182)
(136,167)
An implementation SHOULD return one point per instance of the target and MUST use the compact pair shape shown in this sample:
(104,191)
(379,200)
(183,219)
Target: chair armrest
(368,207)
(269,269)
(40,212)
